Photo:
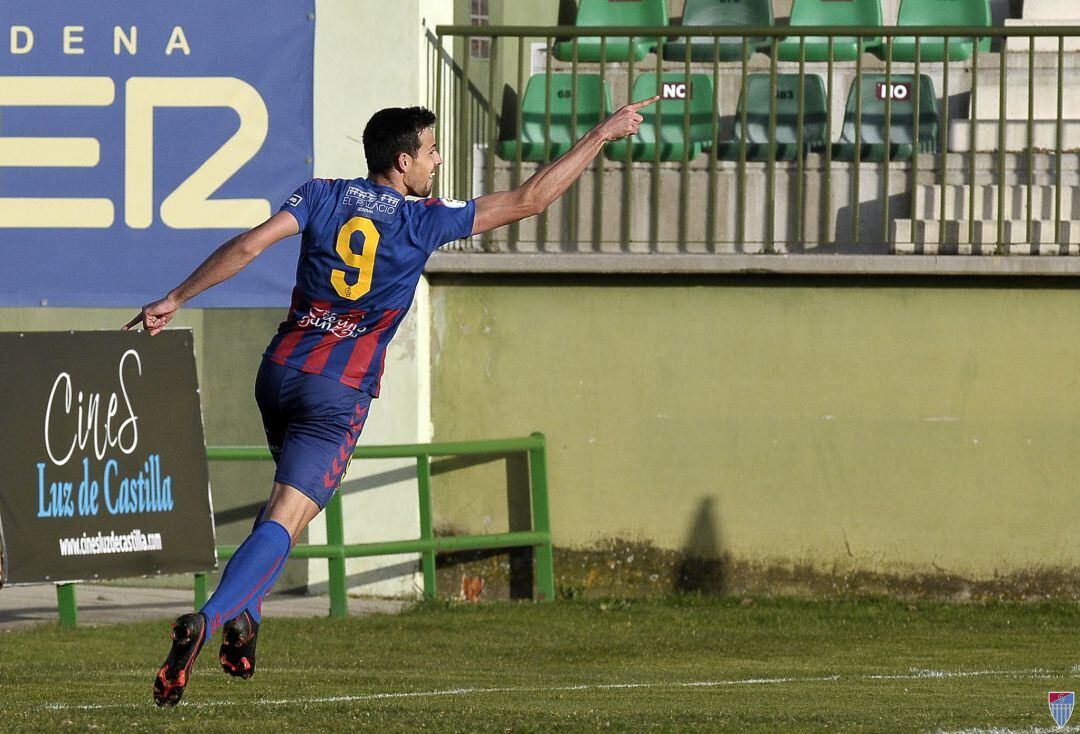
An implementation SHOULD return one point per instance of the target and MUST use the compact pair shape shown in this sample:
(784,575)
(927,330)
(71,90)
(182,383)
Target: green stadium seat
(832,13)
(629,13)
(902,114)
(815,118)
(593,105)
(663,126)
(730,13)
(941,13)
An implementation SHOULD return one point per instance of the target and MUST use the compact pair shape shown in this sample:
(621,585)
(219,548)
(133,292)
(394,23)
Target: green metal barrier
(427,545)
(335,550)
(478,123)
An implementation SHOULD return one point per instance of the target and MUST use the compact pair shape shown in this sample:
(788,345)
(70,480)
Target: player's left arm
(548,184)
(225,262)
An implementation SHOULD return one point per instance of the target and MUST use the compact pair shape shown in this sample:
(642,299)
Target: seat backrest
(675,96)
(945,12)
(622,13)
(593,104)
(815,109)
(902,110)
(836,12)
(728,12)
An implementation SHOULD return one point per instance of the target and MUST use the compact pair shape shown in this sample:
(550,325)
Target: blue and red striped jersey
(363,247)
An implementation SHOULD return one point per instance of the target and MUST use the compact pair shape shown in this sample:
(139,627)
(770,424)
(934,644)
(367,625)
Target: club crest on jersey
(368,204)
(322,318)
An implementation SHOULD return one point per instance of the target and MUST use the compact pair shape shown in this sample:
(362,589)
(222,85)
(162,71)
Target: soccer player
(362,251)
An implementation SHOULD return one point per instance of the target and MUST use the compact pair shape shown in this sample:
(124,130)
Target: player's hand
(154,316)
(626,120)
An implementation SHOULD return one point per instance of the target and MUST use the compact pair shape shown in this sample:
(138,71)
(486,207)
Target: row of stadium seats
(548,130)
(749,13)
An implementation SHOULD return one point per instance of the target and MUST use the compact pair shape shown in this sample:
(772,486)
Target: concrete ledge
(629,264)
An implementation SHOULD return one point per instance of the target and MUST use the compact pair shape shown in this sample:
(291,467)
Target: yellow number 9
(364,261)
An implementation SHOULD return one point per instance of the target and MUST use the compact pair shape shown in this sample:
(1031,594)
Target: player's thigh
(325,422)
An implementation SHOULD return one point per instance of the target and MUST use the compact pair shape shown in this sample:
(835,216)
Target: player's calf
(188,635)
(238,638)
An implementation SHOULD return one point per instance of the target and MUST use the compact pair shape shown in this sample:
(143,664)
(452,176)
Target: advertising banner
(103,456)
(136,137)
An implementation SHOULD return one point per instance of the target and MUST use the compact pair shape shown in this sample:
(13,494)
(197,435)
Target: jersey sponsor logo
(295,200)
(371,205)
(321,318)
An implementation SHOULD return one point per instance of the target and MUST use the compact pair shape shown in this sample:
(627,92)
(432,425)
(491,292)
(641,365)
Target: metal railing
(813,203)
(336,550)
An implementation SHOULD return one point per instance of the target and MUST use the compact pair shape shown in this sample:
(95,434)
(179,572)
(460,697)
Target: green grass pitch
(682,665)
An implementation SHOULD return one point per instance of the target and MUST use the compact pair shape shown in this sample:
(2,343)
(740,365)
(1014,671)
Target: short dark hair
(393,131)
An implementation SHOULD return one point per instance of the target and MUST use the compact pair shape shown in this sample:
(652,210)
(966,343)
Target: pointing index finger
(644,103)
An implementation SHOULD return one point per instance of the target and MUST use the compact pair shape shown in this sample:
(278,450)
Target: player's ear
(402,163)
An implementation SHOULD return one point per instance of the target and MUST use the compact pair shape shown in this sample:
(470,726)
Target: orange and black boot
(238,637)
(188,635)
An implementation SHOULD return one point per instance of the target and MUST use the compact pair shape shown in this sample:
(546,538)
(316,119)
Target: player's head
(400,141)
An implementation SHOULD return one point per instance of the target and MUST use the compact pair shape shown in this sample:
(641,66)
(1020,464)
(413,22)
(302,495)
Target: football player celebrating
(363,248)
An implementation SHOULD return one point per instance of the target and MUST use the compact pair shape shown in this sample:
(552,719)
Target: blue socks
(249,575)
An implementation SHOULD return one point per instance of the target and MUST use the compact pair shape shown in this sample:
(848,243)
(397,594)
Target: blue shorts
(312,424)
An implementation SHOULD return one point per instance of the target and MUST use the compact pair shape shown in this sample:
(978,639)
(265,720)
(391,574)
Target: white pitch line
(915,674)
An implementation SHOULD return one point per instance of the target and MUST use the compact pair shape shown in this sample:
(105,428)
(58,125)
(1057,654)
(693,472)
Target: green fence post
(65,604)
(335,538)
(202,592)
(427,532)
(545,563)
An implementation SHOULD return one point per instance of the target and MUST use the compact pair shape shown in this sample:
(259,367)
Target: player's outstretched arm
(225,262)
(548,184)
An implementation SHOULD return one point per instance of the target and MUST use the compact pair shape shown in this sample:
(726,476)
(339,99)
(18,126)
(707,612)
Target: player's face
(420,174)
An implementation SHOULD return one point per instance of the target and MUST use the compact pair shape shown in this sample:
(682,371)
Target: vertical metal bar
(972,152)
(515,177)
(943,154)
(654,188)
(335,538)
(1030,139)
(800,202)
(598,181)
(684,174)
(710,202)
(492,132)
(427,524)
(438,106)
(628,165)
(917,135)
(545,564)
(542,224)
(888,137)
(770,165)
(1057,147)
(827,215)
(66,607)
(1002,100)
(856,224)
(465,131)
(740,200)
(202,590)
(572,201)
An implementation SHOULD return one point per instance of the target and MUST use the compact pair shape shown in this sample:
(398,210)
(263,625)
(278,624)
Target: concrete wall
(888,426)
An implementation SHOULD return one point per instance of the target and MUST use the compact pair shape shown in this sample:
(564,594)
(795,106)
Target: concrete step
(1044,135)
(1049,12)
(958,201)
(1046,44)
(930,237)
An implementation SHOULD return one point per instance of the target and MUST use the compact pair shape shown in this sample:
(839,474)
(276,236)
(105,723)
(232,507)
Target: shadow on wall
(702,569)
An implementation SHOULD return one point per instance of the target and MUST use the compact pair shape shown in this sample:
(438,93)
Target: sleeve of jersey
(303,201)
(444,220)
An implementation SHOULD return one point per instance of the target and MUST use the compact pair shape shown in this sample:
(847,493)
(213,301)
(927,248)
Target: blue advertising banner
(136,137)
